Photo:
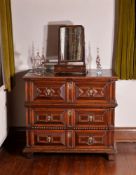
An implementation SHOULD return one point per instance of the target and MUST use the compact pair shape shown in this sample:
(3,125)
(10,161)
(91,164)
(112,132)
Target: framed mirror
(71,42)
(71,52)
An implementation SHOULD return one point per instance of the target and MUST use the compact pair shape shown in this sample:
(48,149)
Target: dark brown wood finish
(70,113)
(65,62)
(80,69)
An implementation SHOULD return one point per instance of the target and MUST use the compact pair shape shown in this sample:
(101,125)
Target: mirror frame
(83,46)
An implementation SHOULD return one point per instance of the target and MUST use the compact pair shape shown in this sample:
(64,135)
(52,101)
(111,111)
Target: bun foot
(28,155)
(111,157)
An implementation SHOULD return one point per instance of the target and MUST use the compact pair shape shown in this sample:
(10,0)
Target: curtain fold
(7,50)
(125,40)
(1,78)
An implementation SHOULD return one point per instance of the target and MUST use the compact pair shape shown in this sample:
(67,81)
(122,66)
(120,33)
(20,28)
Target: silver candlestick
(98,64)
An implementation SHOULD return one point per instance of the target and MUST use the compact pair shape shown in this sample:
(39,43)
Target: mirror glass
(71,43)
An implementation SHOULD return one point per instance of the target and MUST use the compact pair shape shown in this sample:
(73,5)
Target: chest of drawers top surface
(106,74)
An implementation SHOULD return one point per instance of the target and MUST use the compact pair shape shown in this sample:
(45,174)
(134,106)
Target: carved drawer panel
(48,91)
(92,92)
(91,118)
(94,118)
(48,117)
(78,139)
(51,138)
(84,139)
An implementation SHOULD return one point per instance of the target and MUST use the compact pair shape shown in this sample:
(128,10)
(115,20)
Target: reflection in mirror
(71,44)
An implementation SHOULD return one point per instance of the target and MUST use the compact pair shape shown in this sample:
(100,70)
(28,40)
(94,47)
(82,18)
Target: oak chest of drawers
(70,113)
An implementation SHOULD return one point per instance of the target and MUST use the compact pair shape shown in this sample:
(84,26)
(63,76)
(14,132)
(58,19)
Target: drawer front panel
(52,138)
(71,92)
(71,118)
(48,92)
(48,117)
(92,92)
(80,139)
(94,118)
(86,139)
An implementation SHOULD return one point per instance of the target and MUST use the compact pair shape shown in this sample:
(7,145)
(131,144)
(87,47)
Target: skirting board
(125,134)
(122,134)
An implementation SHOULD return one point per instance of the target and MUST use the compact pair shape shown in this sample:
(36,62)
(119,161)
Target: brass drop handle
(90,140)
(90,92)
(49,118)
(48,91)
(49,139)
(69,113)
(90,118)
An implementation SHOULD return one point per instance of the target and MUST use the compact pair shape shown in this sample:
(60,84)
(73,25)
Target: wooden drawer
(71,118)
(47,138)
(93,92)
(48,117)
(87,118)
(94,139)
(48,92)
(70,91)
(76,139)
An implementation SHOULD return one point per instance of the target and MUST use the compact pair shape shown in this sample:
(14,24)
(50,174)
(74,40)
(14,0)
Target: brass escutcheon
(49,139)
(90,140)
(90,92)
(49,118)
(90,118)
(69,113)
(48,92)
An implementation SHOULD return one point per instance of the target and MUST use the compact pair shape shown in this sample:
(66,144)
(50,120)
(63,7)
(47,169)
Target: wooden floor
(12,162)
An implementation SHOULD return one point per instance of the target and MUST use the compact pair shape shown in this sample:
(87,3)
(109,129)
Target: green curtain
(7,44)
(125,39)
(1,78)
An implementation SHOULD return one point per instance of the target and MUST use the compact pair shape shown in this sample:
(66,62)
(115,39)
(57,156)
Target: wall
(31,18)
(3,118)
